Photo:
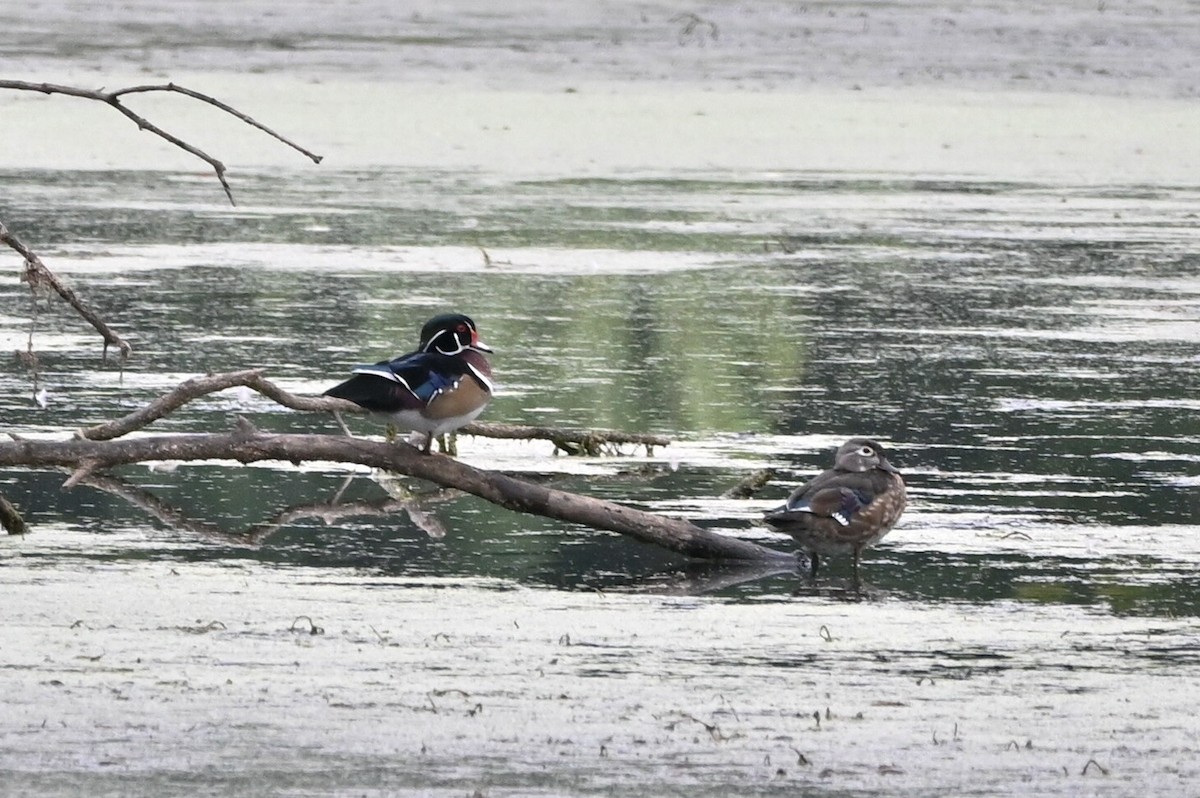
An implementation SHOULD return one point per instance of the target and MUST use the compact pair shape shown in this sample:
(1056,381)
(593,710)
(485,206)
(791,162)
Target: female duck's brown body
(847,508)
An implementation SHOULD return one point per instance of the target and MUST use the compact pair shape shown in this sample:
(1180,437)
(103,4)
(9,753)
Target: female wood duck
(847,508)
(440,387)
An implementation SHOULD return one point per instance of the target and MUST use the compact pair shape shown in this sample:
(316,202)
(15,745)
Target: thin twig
(29,358)
(213,101)
(713,729)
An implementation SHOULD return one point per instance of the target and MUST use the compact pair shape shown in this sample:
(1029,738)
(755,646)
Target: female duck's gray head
(860,454)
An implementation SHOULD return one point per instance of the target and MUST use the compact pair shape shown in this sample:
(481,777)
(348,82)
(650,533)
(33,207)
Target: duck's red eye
(461,328)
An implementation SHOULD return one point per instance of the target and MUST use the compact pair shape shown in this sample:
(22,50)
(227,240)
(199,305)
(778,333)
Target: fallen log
(246,445)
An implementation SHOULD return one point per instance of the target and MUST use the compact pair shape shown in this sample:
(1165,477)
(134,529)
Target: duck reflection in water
(845,509)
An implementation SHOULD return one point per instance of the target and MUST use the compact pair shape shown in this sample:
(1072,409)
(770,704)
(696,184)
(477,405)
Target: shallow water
(1027,346)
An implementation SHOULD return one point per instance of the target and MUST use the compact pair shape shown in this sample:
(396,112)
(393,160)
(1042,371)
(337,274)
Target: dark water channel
(1029,351)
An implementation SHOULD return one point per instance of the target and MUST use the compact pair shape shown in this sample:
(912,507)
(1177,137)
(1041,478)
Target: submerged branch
(247,445)
(572,441)
(750,484)
(253,535)
(10,518)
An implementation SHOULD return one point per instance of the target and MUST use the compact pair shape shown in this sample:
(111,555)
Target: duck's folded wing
(407,383)
(425,375)
(839,503)
(376,393)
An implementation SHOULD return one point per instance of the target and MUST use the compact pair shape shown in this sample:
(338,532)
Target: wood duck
(440,387)
(845,509)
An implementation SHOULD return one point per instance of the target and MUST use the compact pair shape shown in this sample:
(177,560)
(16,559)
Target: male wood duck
(440,387)
(847,508)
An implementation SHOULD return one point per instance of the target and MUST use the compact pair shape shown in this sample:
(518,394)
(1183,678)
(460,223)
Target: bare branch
(571,441)
(200,386)
(36,274)
(113,98)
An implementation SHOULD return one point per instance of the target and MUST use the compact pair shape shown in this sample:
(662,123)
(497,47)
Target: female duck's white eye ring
(866,451)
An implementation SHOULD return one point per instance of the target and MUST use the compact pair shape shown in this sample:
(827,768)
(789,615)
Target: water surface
(1027,347)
